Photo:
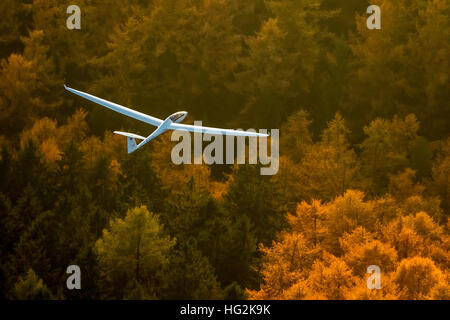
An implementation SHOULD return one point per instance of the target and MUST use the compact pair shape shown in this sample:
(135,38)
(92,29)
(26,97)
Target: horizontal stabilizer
(131,143)
(130,135)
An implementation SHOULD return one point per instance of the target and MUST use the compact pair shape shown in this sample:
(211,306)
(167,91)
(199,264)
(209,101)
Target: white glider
(172,122)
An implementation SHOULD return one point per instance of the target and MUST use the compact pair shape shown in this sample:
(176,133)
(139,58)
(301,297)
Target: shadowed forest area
(364,175)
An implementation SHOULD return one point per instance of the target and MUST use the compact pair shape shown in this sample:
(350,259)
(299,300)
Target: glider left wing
(118,108)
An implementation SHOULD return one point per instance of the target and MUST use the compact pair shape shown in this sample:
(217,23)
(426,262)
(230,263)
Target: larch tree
(133,250)
(31,287)
(409,53)
(417,277)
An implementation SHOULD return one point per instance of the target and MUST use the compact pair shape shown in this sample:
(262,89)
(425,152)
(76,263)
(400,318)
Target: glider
(172,122)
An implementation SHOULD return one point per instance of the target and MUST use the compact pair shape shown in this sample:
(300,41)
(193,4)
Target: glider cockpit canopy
(178,116)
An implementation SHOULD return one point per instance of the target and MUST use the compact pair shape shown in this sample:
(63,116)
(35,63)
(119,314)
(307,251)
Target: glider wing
(118,108)
(209,130)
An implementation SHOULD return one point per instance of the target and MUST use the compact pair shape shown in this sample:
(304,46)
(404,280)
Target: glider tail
(131,142)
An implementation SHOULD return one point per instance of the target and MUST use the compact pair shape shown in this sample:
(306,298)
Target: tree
(344,214)
(402,185)
(140,183)
(278,68)
(17,104)
(330,167)
(296,139)
(14,27)
(417,276)
(369,253)
(133,250)
(388,290)
(287,262)
(236,249)
(48,86)
(430,205)
(309,221)
(405,240)
(35,247)
(401,55)
(421,156)
(330,279)
(424,225)
(386,149)
(288,183)
(31,287)
(441,175)
(173,176)
(190,275)
(252,195)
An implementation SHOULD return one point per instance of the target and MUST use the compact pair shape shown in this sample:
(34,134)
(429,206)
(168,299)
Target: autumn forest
(364,166)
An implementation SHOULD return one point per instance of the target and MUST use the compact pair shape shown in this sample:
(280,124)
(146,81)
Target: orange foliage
(412,252)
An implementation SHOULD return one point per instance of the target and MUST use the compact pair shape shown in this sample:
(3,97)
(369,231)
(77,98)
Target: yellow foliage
(76,127)
(369,253)
(41,130)
(417,276)
(424,225)
(174,177)
(346,213)
(330,278)
(284,265)
(309,220)
(418,203)
(359,233)
(388,291)
(50,151)
(404,239)
(402,185)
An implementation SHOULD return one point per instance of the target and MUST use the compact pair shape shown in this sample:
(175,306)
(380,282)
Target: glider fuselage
(163,127)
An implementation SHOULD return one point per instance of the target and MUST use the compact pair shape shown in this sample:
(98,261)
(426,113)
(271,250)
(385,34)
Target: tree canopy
(364,176)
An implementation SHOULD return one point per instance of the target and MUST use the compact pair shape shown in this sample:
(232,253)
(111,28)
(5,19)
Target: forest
(364,172)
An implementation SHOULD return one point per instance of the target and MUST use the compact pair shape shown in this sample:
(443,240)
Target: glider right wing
(213,131)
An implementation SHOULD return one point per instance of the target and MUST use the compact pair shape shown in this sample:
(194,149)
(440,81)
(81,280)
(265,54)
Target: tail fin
(131,142)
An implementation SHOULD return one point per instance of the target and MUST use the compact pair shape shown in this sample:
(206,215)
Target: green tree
(252,195)
(133,250)
(190,275)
